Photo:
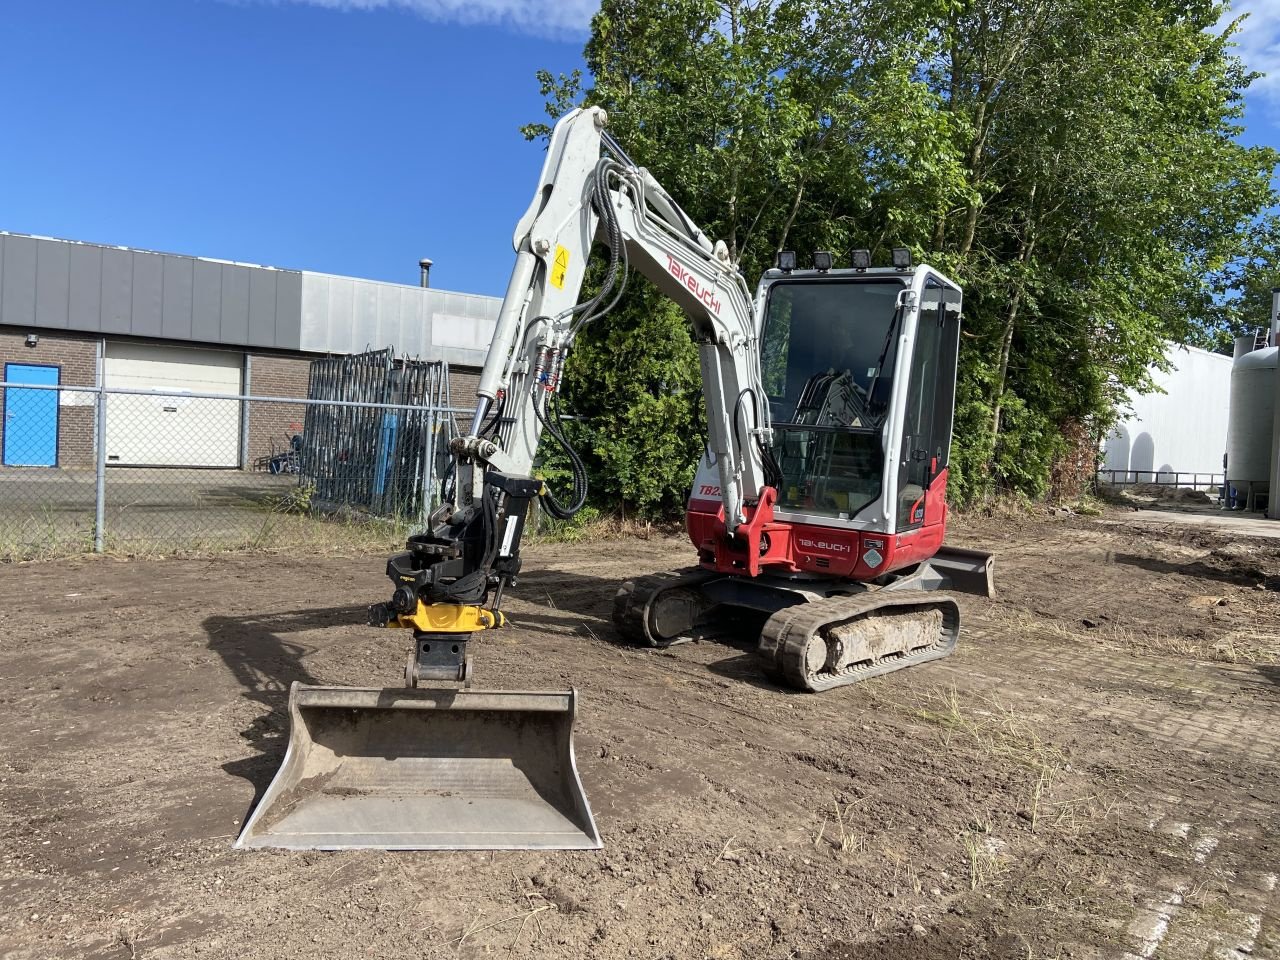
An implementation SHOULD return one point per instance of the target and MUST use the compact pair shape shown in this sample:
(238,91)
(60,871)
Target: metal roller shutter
(172,430)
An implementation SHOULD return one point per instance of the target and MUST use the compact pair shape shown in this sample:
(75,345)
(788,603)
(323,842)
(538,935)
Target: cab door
(930,408)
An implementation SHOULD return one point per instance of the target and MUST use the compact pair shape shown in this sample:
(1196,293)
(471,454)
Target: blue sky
(330,138)
(345,136)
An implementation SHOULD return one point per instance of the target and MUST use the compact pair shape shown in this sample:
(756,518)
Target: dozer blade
(425,769)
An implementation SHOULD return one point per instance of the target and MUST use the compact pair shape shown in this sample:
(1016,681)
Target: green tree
(632,385)
(1109,194)
(1074,163)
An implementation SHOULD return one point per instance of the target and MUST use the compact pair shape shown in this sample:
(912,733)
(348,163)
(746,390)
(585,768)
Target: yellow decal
(560,267)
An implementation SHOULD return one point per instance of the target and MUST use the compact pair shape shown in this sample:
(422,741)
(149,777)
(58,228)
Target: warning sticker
(560,267)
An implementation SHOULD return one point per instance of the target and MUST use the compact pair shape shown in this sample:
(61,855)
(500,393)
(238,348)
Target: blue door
(30,417)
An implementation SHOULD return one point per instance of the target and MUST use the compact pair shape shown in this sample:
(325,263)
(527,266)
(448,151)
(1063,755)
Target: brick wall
(462,386)
(272,424)
(462,392)
(76,357)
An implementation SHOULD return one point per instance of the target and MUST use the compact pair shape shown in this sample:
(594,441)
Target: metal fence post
(429,470)
(100,474)
(246,388)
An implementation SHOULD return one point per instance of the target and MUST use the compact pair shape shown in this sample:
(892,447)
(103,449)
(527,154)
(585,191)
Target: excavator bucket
(425,769)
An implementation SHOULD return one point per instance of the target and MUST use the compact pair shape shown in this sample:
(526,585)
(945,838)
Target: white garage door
(172,430)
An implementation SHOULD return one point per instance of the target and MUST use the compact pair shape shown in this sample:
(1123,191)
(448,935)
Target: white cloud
(1258,42)
(551,18)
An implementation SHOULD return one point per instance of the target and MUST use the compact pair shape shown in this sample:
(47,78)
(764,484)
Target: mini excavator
(817,514)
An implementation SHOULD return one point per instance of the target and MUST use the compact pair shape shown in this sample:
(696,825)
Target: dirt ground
(1093,773)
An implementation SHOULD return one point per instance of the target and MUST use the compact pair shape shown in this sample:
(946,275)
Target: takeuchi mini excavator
(817,514)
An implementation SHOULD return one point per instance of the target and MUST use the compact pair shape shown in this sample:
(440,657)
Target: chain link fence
(106,469)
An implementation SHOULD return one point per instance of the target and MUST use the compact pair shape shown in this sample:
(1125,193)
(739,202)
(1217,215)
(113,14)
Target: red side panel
(766,545)
(935,504)
(921,543)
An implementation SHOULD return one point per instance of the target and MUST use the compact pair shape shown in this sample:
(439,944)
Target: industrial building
(85,314)
(1211,414)
(1181,426)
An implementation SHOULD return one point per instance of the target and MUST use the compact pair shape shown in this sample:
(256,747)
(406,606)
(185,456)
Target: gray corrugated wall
(90,288)
(345,315)
(59,284)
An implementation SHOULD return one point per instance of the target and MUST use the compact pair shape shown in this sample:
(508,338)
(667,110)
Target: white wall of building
(1183,429)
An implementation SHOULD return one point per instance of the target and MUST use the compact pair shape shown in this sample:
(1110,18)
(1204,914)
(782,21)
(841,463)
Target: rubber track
(631,605)
(787,634)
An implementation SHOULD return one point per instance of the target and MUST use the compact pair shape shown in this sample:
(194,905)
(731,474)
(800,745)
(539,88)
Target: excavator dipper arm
(589,191)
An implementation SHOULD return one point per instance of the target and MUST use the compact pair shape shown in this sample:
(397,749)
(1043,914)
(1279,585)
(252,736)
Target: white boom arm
(588,193)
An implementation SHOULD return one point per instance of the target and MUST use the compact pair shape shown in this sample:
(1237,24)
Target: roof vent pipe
(425,279)
(1275,315)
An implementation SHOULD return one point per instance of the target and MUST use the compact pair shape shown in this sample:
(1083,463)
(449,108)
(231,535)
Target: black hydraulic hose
(577,468)
(772,472)
(619,264)
(615,283)
(491,425)
(446,482)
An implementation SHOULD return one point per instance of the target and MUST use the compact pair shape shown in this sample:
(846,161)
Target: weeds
(1087,507)
(479,926)
(997,730)
(903,870)
(983,852)
(727,852)
(949,717)
(590,525)
(841,838)
(1000,733)
(1002,505)
(1037,793)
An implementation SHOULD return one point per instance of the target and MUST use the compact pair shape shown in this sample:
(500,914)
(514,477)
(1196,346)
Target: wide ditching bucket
(425,769)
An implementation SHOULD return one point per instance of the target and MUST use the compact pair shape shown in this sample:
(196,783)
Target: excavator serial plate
(426,769)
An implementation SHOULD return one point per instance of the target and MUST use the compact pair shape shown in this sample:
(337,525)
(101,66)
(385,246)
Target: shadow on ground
(1245,576)
(266,663)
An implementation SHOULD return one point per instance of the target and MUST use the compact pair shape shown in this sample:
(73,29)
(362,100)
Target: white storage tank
(1250,417)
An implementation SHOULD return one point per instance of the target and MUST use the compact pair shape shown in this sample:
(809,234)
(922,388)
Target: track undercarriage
(816,634)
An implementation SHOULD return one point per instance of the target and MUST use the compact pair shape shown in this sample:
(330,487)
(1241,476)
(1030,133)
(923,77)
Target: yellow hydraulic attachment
(449,618)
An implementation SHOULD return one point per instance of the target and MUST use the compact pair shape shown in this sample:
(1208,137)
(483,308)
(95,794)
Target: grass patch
(1244,645)
(982,852)
(1002,737)
(1087,507)
(997,730)
(837,832)
(1001,506)
(272,532)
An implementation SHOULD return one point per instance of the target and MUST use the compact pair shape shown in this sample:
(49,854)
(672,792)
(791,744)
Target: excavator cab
(830,362)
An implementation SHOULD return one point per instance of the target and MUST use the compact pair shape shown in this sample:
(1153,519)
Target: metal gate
(381,459)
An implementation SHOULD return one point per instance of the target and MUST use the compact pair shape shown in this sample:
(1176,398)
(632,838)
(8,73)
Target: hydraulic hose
(591,309)
(577,468)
